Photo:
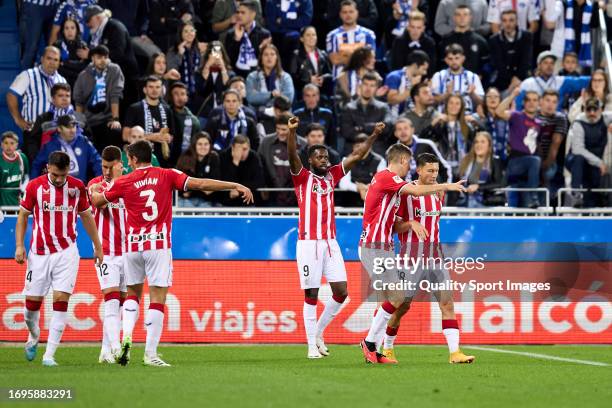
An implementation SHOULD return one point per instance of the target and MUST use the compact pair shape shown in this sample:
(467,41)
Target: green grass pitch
(281,376)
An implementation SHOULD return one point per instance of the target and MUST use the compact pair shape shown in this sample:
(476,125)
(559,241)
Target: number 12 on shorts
(103,269)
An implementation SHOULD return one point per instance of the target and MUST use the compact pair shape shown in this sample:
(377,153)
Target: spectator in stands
(396,20)
(269,80)
(361,62)
(310,65)
(156,118)
(553,128)
(401,81)
(158,67)
(475,47)
(344,40)
(598,88)
(580,16)
(113,34)
(224,124)
(493,124)
(201,161)
(359,177)
(445,13)
(70,9)
(524,163)
(246,39)
(212,79)
(134,14)
(544,79)
(569,68)
(404,133)
(35,21)
(313,112)
(361,116)
(186,56)
(46,123)
(511,53)
(315,135)
(414,38)
(590,157)
(275,159)
(69,42)
(452,132)
(241,164)
(456,80)
(225,15)
(483,172)
(280,105)
(165,19)
(14,170)
(367,13)
(34,87)
(527,13)
(423,113)
(285,19)
(97,93)
(238,84)
(186,124)
(136,133)
(85,162)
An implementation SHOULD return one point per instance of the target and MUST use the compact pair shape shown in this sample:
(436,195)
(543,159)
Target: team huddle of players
(131,227)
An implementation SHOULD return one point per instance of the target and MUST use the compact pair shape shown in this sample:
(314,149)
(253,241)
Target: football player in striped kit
(317,251)
(419,236)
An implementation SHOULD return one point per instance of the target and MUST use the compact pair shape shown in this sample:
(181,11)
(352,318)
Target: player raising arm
(147,193)
(317,251)
(55,199)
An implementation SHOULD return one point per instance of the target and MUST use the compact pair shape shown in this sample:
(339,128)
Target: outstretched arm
(217,185)
(363,150)
(503,109)
(294,159)
(422,189)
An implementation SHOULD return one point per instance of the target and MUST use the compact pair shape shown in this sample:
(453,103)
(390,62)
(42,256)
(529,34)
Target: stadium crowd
(505,93)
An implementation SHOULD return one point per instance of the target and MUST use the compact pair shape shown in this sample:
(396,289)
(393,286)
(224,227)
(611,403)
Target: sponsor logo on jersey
(151,236)
(420,213)
(149,181)
(14,178)
(316,188)
(120,206)
(52,207)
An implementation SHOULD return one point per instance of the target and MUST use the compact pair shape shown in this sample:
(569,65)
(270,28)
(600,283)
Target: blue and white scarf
(353,82)
(234,127)
(68,148)
(289,9)
(247,59)
(189,65)
(406,7)
(584,54)
(99,92)
(499,133)
(57,112)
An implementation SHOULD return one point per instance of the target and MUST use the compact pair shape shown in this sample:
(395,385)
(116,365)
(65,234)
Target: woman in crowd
(224,124)
(483,172)
(211,80)
(497,127)
(186,56)
(310,65)
(268,81)
(68,43)
(598,87)
(200,160)
(158,66)
(362,60)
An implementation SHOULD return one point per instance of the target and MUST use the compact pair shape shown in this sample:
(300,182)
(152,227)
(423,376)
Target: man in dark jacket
(413,39)
(312,112)
(165,18)
(511,53)
(240,164)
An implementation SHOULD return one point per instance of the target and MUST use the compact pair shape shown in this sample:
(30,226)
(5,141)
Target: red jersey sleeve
(301,177)
(29,198)
(83,204)
(179,179)
(337,172)
(392,183)
(115,190)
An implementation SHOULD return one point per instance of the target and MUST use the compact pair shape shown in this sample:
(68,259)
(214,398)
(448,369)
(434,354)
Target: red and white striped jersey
(147,194)
(111,222)
(315,196)
(381,204)
(425,210)
(55,211)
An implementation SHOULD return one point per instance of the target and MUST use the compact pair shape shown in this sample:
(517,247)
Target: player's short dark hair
(282,119)
(453,49)
(313,127)
(313,149)
(250,4)
(347,3)
(369,76)
(60,87)
(418,57)
(100,50)
(111,153)
(509,11)
(414,91)
(9,135)
(550,92)
(59,159)
(424,158)
(141,150)
(396,152)
(240,139)
(151,78)
(281,102)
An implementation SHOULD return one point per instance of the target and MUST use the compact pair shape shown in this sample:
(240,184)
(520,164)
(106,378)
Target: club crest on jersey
(72,192)
(317,189)
(420,213)
(52,207)
(398,179)
(152,236)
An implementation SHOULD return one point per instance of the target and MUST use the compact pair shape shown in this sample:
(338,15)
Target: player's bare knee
(339,289)
(110,290)
(35,298)
(403,308)
(158,294)
(135,290)
(312,293)
(447,306)
(61,296)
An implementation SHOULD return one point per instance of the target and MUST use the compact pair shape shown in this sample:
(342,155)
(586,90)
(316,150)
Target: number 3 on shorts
(150,194)
(306,270)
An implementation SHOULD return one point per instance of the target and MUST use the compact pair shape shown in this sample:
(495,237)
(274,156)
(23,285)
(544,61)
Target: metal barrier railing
(567,210)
